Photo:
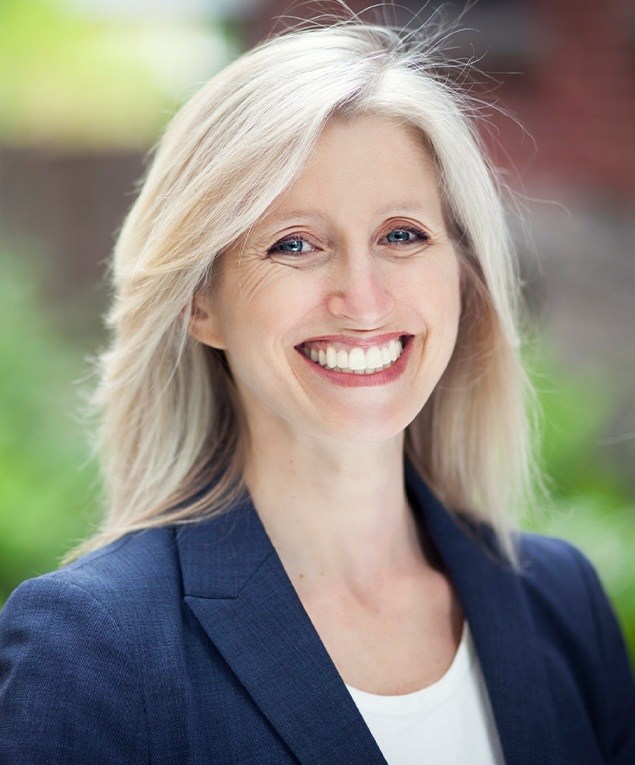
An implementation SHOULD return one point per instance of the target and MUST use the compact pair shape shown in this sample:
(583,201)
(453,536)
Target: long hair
(171,438)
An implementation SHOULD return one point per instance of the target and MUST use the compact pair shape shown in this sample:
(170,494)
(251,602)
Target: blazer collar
(236,586)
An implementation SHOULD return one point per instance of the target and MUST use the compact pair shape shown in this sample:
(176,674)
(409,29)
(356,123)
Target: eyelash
(423,236)
(272,250)
(411,230)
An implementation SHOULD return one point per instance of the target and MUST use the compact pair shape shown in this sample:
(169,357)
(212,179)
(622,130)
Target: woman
(313,430)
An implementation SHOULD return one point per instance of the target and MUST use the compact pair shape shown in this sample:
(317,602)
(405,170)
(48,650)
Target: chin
(365,429)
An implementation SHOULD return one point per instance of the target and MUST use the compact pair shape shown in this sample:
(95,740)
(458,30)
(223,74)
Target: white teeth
(357,360)
(373,358)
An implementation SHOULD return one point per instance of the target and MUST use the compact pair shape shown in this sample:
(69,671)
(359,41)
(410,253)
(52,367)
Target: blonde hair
(171,441)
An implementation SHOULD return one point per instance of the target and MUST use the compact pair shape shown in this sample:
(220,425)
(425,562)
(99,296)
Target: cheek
(243,302)
(453,299)
(438,292)
(441,308)
(262,316)
(450,306)
(262,307)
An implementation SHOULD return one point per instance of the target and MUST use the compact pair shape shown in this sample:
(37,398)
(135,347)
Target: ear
(204,324)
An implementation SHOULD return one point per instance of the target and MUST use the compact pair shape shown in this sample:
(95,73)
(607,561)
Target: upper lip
(356,341)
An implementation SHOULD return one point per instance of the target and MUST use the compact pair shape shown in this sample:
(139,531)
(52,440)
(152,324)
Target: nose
(360,291)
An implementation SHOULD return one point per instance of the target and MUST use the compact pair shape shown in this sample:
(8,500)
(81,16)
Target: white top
(448,722)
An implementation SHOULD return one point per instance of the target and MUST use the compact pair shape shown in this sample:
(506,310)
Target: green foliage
(66,82)
(47,489)
(591,504)
(74,80)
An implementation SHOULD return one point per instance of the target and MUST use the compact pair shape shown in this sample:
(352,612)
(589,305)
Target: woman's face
(350,265)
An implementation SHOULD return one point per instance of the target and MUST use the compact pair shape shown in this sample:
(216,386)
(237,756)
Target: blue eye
(405,236)
(292,246)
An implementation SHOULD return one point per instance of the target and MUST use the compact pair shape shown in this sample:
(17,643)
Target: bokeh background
(86,87)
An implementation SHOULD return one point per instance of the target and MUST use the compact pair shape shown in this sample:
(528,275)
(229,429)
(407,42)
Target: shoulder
(555,572)
(570,608)
(563,588)
(73,645)
(577,625)
(125,574)
(537,550)
(551,563)
(125,568)
(121,594)
(548,569)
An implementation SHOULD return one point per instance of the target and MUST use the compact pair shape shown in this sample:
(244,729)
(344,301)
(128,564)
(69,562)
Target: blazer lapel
(236,586)
(504,635)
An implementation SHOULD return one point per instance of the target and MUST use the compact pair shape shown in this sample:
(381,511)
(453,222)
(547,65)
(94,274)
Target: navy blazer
(189,644)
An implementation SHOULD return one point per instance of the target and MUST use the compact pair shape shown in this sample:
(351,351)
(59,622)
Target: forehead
(368,164)
(365,134)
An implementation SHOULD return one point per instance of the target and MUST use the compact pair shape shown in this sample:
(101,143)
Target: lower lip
(352,380)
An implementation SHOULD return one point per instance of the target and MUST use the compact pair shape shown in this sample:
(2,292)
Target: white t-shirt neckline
(450,721)
(425,698)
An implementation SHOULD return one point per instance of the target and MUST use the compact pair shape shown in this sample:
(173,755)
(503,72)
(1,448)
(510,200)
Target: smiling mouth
(353,359)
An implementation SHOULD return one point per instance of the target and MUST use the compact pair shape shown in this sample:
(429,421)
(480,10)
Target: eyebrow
(287,215)
(405,209)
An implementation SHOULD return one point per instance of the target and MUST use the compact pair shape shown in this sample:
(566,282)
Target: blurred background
(86,87)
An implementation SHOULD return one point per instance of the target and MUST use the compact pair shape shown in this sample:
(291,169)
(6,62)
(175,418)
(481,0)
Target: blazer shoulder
(556,565)
(541,556)
(574,615)
(121,580)
(81,651)
(140,562)
(67,662)
(560,578)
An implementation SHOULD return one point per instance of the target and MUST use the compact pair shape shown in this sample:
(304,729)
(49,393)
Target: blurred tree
(76,81)
(47,485)
(590,503)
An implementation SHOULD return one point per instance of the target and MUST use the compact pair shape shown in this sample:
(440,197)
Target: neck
(336,513)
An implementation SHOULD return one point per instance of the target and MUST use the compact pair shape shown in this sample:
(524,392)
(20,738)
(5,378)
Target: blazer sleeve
(619,686)
(69,691)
